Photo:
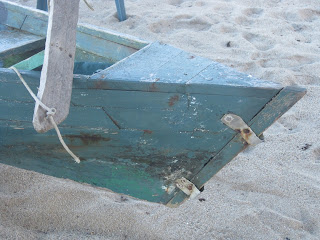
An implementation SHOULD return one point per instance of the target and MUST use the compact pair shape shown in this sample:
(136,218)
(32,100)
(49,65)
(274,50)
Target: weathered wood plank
(120,38)
(42,5)
(110,153)
(143,62)
(57,71)
(113,52)
(216,76)
(23,112)
(106,157)
(85,63)
(161,91)
(270,113)
(35,25)
(112,36)
(17,42)
(200,115)
(31,62)
(15,8)
(149,150)
(181,112)
(162,68)
(35,22)
(11,18)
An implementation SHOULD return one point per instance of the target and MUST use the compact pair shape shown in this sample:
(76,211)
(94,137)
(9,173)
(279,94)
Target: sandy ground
(271,191)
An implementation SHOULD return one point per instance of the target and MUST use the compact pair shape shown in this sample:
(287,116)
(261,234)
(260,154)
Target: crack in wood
(112,119)
(23,21)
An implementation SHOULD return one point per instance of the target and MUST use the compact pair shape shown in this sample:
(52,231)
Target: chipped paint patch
(169,189)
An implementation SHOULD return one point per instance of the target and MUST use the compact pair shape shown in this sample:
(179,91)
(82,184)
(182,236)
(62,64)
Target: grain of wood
(57,72)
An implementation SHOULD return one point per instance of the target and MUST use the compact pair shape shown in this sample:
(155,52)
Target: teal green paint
(13,18)
(110,50)
(31,62)
(162,68)
(138,125)
(35,25)
(148,155)
(112,36)
(104,44)
(85,63)
(281,103)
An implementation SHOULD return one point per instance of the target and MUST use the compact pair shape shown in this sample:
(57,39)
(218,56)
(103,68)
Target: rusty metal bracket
(187,187)
(236,123)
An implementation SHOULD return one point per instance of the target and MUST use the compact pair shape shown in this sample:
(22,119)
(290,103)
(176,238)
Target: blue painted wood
(281,103)
(112,36)
(10,18)
(123,139)
(162,68)
(16,42)
(35,25)
(42,5)
(85,63)
(101,42)
(121,10)
(113,52)
(141,124)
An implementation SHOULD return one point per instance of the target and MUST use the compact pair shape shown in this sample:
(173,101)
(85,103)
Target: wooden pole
(121,10)
(57,71)
(42,5)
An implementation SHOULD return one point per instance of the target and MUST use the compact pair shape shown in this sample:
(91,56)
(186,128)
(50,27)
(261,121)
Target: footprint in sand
(260,42)
(293,61)
(298,27)
(181,3)
(175,2)
(200,4)
(316,153)
(180,22)
(289,121)
(253,12)
(309,15)
(243,21)
(309,221)
(303,15)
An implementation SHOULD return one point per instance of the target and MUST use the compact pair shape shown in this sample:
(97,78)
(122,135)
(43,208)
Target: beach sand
(270,191)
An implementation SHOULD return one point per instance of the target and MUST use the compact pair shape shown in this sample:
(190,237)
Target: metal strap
(236,123)
(187,187)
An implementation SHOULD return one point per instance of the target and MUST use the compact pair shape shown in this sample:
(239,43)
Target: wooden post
(57,71)
(42,5)
(121,10)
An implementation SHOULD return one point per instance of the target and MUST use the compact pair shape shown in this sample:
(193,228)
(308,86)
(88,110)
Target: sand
(270,191)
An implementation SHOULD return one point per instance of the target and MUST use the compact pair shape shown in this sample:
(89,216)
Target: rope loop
(50,113)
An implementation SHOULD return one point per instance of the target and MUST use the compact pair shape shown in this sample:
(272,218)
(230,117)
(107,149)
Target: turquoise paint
(144,146)
(10,46)
(281,103)
(142,123)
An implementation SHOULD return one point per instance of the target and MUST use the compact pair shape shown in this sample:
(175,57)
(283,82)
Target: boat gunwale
(102,33)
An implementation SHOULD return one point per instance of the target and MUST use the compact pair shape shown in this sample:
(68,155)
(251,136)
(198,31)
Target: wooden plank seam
(50,114)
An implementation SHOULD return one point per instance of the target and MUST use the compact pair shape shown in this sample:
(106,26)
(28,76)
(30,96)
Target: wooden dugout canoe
(143,117)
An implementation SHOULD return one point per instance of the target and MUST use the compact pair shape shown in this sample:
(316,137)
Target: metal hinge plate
(187,187)
(236,123)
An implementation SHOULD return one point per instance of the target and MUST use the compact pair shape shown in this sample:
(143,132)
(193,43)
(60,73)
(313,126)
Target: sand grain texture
(271,191)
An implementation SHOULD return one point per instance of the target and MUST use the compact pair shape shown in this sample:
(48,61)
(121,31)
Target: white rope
(50,113)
